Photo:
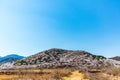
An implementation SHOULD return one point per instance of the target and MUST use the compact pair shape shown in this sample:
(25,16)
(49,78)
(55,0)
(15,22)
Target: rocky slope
(54,58)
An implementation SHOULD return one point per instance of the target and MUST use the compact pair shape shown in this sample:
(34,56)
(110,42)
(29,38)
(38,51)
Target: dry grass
(95,76)
(110,73)
(113,71)
(47,74)
(60,74)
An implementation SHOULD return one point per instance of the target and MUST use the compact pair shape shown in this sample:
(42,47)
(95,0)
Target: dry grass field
(58,74)
(47,74)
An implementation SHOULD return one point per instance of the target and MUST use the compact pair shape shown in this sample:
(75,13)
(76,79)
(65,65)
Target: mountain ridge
(10,58)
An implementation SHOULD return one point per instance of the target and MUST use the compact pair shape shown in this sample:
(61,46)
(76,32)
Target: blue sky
(30,26)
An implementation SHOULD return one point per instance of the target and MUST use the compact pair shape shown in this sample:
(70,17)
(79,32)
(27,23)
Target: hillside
(10,58)
(56,58)
(116,58)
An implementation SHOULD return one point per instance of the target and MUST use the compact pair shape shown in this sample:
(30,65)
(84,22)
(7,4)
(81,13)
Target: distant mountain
(10,58)
(116,58)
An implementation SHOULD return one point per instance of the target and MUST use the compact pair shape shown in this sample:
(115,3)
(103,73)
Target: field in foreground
(56,74)
(47,74)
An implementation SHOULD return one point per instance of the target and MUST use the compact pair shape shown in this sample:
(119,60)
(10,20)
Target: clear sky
(30,26)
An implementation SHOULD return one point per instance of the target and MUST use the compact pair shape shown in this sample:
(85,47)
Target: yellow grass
(75,76)
(47,74)
(55,74)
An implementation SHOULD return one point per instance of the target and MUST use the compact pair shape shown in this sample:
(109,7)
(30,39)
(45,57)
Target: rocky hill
(60,58)
(116,58)
(54,58)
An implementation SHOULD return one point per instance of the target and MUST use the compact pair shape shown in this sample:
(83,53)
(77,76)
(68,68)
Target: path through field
(75,76)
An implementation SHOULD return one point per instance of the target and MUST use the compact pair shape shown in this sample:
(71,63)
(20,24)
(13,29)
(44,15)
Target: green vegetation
(98,57)
(21,62)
